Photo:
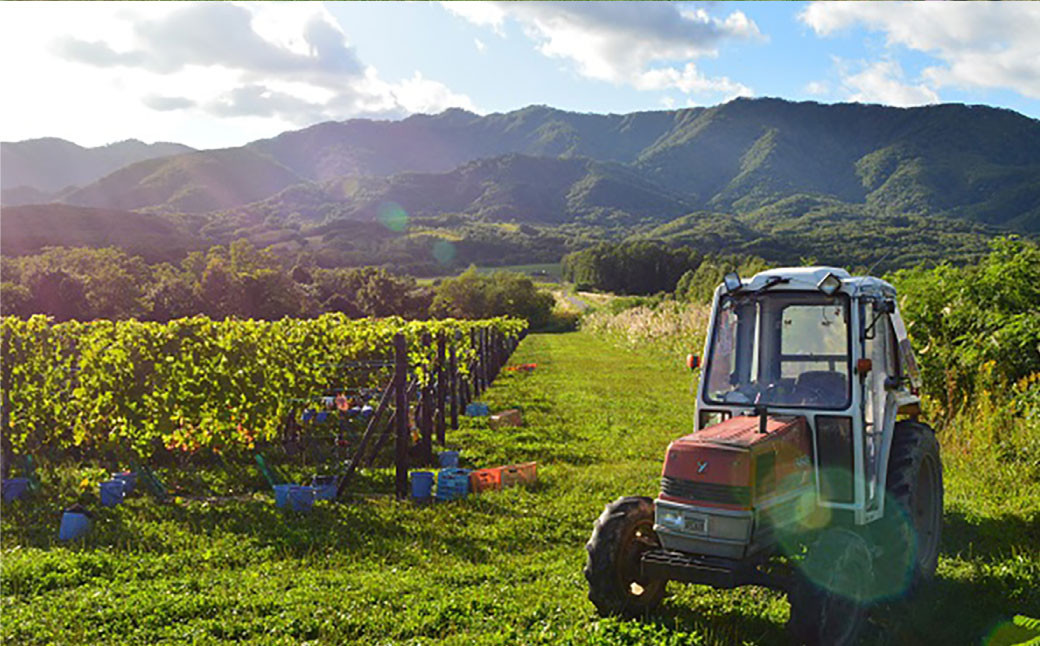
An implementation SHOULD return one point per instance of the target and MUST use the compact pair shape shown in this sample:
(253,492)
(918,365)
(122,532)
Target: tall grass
(669,328)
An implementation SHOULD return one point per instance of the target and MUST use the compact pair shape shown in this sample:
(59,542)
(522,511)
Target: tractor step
(715,571)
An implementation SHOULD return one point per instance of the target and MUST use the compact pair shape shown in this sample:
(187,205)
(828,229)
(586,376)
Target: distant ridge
(50,164)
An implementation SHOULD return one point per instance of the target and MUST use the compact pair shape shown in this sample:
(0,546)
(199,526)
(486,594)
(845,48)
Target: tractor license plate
(696,523)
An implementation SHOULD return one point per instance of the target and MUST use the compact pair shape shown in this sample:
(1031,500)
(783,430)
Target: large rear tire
(829,598)
(910,532)
(621,534)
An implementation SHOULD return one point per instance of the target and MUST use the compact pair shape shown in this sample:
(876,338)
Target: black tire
(909,534)
(621,534)
(831,588)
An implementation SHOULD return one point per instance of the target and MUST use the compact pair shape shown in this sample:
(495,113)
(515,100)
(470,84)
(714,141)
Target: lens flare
(443,252)
(393,216)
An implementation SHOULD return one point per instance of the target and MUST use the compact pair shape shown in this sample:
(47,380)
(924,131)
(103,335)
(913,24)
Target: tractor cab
(796,449)
(817,344)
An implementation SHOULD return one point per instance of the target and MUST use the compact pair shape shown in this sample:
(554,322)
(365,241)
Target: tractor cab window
(779,348)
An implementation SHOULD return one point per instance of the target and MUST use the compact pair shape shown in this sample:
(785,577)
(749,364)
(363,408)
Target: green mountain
(193,183)
(28,229)
(49,165)
(781,179)
(510,188)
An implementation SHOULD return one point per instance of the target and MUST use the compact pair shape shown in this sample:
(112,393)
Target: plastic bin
(452,484)
(129,480)
(301,498)
(111,493)
(281,495)
(73,525)
(477,409)
(514,474)
(324,487)
(483,480)
(14,488)
(422,484)
(448,458)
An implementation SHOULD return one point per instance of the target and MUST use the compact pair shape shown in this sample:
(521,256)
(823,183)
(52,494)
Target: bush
(474,296)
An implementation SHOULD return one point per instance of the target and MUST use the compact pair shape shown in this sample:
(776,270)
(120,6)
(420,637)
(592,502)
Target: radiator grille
(705,491)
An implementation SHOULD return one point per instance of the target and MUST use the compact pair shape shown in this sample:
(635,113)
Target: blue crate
(452,483)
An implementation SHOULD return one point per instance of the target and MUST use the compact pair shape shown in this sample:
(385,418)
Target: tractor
(807,472)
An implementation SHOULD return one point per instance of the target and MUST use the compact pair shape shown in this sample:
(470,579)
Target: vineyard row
(197,384)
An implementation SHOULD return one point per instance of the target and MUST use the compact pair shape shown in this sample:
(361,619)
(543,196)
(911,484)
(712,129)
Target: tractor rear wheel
(830,591)
(622,533)
(910,531)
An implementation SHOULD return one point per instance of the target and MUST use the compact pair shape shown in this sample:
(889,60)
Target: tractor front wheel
(831,588)
(622,533)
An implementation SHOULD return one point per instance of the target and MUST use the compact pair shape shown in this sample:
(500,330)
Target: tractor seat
(821,387)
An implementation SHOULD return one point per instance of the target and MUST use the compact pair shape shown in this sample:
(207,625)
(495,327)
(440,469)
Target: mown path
(501,568)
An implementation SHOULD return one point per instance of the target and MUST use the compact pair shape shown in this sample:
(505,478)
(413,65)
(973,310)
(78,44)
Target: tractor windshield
(780,348)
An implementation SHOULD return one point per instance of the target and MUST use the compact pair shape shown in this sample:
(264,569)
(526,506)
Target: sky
(213,75)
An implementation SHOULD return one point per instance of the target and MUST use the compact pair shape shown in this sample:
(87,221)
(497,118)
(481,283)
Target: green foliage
(975,328)
(635,267)
(191,383)
(472,295)
(698,285)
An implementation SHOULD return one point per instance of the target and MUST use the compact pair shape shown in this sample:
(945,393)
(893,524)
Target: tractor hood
(732,465)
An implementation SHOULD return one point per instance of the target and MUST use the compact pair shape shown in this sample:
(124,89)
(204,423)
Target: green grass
(549,269)
(502,568)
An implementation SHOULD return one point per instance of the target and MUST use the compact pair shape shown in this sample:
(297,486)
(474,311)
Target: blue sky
(222,74)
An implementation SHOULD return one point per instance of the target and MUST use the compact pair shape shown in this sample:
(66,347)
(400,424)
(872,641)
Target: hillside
(849,183)
(513,187)
(194,183)
(968,162)
(28,229)
(50,164)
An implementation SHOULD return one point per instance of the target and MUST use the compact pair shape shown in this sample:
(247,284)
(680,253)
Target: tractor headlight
(732,281)
(671,519)
(829,284)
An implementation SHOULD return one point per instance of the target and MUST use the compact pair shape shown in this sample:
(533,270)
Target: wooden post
(474,372)
(401,415)
(482,336)
(442,387)
(426,419)
(453,376)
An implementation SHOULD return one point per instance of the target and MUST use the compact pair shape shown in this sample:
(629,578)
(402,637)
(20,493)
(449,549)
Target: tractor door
(879,402)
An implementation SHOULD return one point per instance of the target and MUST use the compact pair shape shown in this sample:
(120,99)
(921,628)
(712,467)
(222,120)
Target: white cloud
(818,88)
(485,14)
(479,44)
(978,44)
(647,45)
(203,73)
(883,82)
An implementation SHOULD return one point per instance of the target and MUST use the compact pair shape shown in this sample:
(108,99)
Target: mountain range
(535,182)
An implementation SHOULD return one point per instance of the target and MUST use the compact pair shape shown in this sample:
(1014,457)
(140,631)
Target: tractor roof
(808,277)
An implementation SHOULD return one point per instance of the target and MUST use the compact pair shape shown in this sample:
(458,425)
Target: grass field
(502,568)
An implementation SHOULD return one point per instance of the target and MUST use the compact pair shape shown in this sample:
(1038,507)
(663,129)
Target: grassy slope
(501,568)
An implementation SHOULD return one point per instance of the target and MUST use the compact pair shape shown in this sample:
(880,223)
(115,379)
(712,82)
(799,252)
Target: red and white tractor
(807,472)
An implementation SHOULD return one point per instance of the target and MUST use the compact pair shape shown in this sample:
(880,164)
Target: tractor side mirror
(885,306)
(693,361)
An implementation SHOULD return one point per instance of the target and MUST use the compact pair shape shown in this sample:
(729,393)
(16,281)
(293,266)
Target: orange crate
(514,474)
(482,480)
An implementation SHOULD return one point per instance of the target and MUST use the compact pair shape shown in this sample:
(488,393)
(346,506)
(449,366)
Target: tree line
(240,280)
(644,267)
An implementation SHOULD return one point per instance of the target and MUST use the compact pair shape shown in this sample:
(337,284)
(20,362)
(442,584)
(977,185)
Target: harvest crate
(486,480)
(514,474)
(452,483)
